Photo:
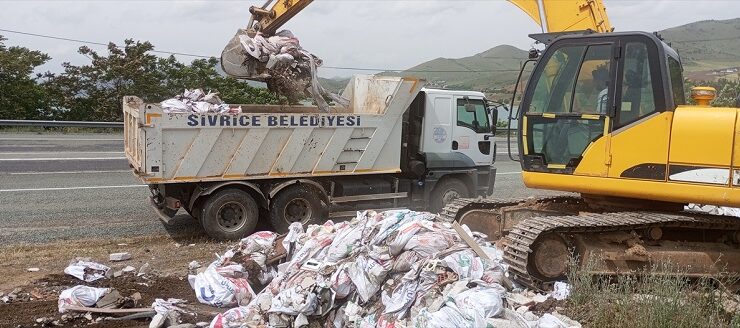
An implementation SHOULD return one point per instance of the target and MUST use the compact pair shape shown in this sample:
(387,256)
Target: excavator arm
(269,20)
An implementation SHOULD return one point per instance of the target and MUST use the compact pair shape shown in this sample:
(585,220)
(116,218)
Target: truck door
(472,130)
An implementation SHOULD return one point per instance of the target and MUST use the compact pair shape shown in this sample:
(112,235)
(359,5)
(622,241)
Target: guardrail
(65,124)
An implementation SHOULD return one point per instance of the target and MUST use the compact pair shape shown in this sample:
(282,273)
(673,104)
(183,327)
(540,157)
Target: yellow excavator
(604,115)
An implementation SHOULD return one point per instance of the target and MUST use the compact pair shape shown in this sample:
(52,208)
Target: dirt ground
(38,292)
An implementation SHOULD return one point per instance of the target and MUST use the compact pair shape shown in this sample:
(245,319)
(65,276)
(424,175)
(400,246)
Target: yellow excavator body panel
(690,155)
(643,143)
(736,155)
(702,136)
(632,188)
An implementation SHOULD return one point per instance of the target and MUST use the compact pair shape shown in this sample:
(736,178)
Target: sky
(383,34)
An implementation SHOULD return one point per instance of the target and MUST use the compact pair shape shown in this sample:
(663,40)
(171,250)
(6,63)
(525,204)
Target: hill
(707,48)
(497,66)
(706,45)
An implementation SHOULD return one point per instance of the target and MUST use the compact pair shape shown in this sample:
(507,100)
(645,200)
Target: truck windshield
(476,120)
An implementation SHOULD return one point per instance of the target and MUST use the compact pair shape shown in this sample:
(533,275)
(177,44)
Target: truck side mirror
(470,108)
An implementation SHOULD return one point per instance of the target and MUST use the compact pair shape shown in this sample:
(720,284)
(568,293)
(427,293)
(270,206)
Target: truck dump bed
(272,141)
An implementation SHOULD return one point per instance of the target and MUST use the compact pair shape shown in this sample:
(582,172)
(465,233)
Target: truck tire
(230,214)
(446,191)
(297,203)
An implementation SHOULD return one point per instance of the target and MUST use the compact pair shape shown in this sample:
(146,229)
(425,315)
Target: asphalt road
(59,186)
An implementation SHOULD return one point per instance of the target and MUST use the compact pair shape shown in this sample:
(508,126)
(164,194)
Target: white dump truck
(395,146)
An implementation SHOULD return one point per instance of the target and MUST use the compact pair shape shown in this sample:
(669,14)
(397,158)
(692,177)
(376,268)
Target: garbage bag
(561,290)
(222,286)
(466,264)
(367,275)
(550,321)
(86,270)
(243,316)
(80,296)
(197,101)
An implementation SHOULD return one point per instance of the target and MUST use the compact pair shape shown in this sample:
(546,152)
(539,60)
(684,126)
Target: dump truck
(396,145)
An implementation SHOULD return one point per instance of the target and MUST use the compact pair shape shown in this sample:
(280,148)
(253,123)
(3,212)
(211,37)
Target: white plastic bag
(479,303)
(561,290)
(401,299)
(367,276)
(80,296)
(163,307)
(550,321)
(466,264)
(86,271)
(237,317)
(220,286)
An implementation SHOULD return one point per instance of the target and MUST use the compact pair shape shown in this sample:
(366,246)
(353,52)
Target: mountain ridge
(707,49)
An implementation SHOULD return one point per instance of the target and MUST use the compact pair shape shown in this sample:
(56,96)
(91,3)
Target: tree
(727,91)
(21,96)
(95,91)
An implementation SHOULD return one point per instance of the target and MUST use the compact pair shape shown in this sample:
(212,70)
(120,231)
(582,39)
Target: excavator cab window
(569,103)
(638,90)
(676,72)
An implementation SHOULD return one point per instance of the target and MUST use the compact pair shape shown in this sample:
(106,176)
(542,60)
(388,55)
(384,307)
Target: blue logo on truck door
(275,120)
(439,134)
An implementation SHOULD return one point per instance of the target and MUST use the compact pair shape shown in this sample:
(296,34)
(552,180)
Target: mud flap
(165,214)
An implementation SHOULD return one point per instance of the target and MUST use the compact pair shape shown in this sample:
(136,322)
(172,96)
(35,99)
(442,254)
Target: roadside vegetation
(93,92)
(653,300)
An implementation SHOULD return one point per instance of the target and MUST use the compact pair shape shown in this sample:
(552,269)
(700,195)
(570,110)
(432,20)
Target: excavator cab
(585,87)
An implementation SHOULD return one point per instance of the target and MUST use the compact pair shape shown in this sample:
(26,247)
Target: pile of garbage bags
(716,210)
(226,282)
(197,101)
(391,269)
(278,60)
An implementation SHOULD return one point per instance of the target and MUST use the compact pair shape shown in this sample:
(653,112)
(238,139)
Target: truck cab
(457,129)
(451,133)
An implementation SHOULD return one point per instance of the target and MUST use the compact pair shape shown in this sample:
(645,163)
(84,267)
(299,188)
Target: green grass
(654,299)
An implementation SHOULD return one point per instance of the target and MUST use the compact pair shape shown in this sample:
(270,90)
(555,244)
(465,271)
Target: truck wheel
(297,203)
(230,214)
(445,192)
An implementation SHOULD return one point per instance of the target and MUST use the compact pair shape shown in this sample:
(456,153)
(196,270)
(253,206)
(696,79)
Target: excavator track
(523,239)
(454,210)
